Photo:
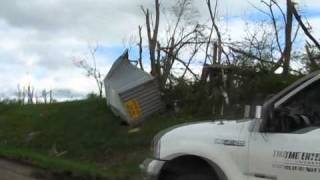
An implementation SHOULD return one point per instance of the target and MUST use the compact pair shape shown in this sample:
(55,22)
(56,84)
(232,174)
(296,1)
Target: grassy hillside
(94,142)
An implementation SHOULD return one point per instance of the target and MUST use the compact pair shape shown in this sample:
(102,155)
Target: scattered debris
(30,136)
(55,152)
(132,93)
(135,130)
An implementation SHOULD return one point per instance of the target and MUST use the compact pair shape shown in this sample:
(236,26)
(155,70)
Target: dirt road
(13,171)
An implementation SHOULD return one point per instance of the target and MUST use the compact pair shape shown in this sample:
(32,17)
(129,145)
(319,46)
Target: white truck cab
(284,144)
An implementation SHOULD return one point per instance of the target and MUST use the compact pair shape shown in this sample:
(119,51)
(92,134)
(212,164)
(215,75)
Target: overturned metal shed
(131,93)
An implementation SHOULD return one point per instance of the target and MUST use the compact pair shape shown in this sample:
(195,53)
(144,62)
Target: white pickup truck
(282,144)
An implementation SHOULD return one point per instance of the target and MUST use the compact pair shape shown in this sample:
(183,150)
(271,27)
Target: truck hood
(203,138)
(220,128)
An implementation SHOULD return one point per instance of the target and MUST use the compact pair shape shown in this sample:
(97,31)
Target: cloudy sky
(40,39)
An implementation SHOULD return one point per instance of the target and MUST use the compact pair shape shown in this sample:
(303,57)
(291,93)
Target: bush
(93,96)
(204,98)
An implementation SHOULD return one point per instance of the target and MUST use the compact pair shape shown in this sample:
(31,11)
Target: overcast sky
(40,38)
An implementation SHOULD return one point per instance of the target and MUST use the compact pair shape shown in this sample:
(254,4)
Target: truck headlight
(156,142)
(155,146)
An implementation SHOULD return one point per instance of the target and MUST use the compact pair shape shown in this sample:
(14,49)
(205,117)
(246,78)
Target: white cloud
(315,24)
(40,38)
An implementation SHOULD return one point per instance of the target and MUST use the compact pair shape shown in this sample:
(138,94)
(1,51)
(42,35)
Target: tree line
(28,95)
(267,49)
(233,72)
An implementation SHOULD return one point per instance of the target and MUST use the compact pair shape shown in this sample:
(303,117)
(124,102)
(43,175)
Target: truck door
(290,149)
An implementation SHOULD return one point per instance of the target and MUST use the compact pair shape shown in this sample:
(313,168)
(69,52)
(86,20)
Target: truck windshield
(303,108)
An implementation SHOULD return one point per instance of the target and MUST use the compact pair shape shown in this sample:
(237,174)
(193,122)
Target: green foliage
(191,97)
(93,96)
(255,89)
(201,98)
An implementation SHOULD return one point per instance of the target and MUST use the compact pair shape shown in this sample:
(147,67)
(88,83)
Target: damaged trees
(165,52)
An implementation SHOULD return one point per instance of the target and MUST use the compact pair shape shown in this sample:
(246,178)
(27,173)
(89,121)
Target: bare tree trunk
(20,95)
(97,77)
(96,74)
(153,38)
(24,95)
(51,96)
(36,98)
(44,96)
(288,39)
(140,48)
(213,14)
(30,94)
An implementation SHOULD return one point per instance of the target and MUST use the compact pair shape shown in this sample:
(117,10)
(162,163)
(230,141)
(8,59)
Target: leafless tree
(24,95)
(258,48)
(164,54)
(45,96)
(289,36)
(51,100)
(30,94)
(90,66)
(36,97)
(20,94)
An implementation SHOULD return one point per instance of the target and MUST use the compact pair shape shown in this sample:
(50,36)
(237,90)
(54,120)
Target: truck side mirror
(253,113)
(267,116)
(258,112)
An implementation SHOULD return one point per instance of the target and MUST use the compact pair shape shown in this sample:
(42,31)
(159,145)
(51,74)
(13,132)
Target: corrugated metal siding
(131,93)
(148,97)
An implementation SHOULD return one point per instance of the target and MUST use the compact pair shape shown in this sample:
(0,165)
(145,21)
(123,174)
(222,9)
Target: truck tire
(188,168)
(194,177)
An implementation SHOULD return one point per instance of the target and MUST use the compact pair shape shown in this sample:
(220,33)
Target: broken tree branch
(303,26)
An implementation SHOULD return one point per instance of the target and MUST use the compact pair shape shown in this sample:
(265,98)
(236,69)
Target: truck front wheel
(188,168)
(195,177)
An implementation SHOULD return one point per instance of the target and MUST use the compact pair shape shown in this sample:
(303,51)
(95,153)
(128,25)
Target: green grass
(96,144)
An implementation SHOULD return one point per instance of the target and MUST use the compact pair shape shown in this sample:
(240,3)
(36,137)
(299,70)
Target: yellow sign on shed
(133,109)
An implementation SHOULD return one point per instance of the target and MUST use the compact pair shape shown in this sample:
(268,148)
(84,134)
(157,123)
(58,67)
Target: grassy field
(94,142)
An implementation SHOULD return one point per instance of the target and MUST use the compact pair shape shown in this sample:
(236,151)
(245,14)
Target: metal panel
(148,97)
(131,93)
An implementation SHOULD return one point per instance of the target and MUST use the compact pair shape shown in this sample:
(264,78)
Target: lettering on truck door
(290,148)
